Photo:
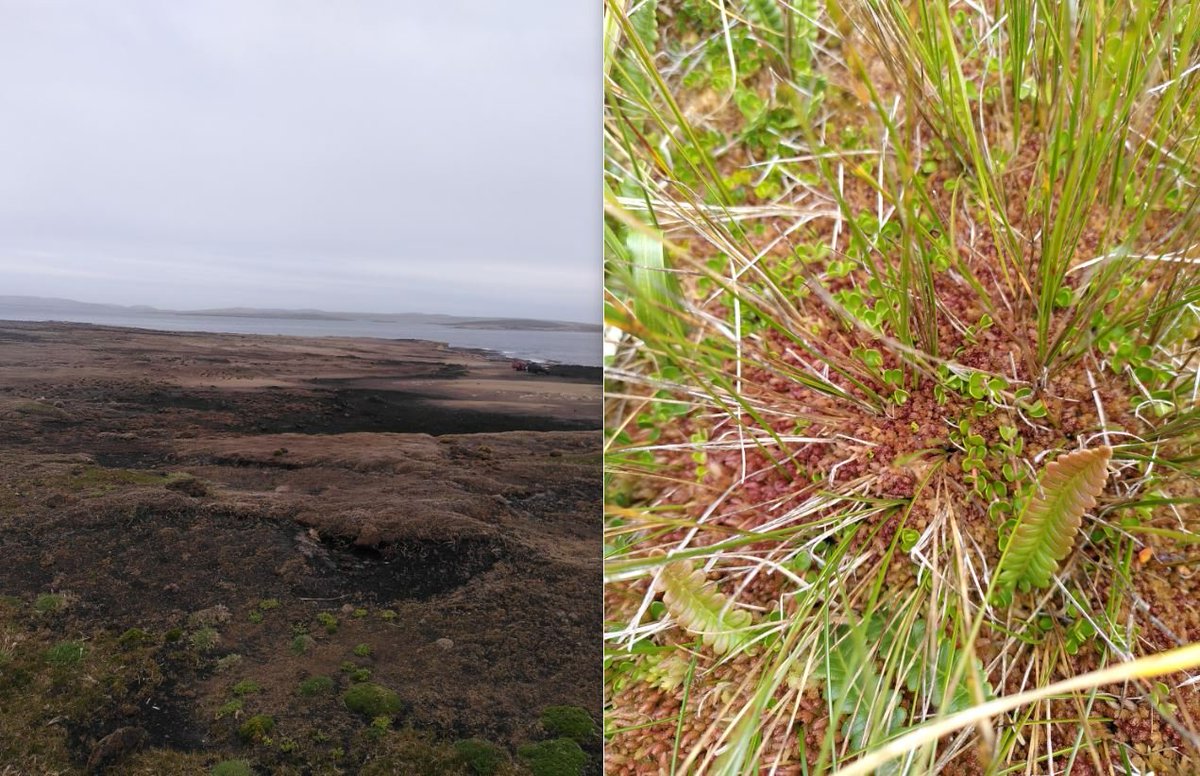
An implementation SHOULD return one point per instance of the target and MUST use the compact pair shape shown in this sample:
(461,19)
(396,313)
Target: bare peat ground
(313,555)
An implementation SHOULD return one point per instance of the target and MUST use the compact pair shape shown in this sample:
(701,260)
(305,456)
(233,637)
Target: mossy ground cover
(892,284)
(63,689)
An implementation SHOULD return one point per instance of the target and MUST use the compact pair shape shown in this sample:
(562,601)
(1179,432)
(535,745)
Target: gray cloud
(362,155)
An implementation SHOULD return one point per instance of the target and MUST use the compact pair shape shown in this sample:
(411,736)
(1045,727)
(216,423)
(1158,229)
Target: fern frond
(644,19)
(699,608)
(631,71)
(920,670)
(1045,534)
(766,15)
(861,698)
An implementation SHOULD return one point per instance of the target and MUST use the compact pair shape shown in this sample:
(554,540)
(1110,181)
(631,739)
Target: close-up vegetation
(901,418)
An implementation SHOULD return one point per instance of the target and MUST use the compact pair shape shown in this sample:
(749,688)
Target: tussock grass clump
(256,727)
(902,393)
(66,653)
(232,768)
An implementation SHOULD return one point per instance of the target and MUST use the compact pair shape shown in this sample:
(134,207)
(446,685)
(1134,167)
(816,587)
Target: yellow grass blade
(1148,667)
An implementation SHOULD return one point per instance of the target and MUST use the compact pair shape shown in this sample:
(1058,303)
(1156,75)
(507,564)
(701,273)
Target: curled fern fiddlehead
(1045,534)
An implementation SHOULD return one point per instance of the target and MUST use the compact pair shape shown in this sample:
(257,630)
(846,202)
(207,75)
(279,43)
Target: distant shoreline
(537,343)
(490,324)
(56,306)
(573,369)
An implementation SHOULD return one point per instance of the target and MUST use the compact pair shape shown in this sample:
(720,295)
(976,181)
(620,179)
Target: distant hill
(50,303)
(54,304)
(524,324)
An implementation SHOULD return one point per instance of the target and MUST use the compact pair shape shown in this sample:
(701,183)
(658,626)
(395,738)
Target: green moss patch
(482,758)
(104,479)
(133,637)
(316,685)
(560,757)
(569,722)
(246,687)
(372,700)
(48,603)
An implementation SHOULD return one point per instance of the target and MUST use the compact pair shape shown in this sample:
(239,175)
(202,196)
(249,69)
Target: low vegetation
(557,757)
(569,722)
(106,678)
(372,700)
(184,574)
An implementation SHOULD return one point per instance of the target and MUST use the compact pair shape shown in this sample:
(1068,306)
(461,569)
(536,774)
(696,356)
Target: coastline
(565,346)
(490,354)
(397,385)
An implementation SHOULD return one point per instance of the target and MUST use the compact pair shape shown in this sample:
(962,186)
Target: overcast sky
(366,155)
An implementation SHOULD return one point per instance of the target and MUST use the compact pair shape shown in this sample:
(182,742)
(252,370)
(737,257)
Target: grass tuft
(903,397)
